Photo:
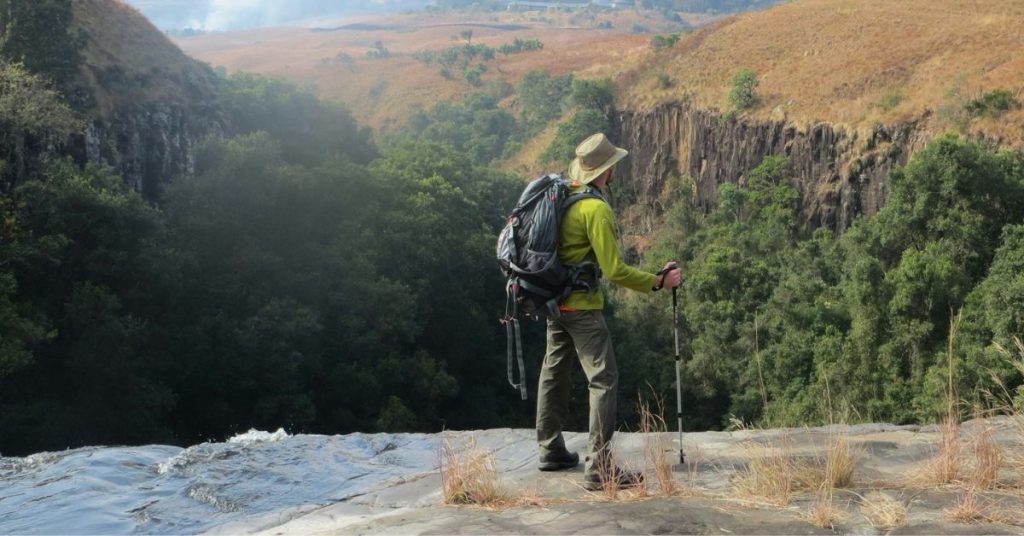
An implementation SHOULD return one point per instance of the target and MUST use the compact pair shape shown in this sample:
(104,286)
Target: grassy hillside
(384,92)
(851,62)
(128,62)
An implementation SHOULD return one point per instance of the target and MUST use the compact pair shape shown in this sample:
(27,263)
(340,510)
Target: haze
(226,15)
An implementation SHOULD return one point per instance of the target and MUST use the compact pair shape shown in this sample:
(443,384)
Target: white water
(260,479)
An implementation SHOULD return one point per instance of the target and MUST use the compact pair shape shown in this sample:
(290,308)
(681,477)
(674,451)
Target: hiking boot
(622,479)
(556,461)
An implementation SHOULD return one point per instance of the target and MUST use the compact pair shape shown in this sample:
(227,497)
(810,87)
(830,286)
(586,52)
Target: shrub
(596,94)
(664,81)
(379,51)
(425,56)
(659,42)
(378,89)
(742,95)
(541,97)
(473,75)
(520,45)
(890,100)
(572,132)
(992,104)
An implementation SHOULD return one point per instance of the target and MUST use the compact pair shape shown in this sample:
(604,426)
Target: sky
(224,15)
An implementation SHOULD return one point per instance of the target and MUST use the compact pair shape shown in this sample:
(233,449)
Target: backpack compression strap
(514,340)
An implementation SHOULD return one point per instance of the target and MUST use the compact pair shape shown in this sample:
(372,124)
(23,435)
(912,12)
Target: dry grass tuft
(837,472)
(773,473)
(823,512)
(470,476)
(1011,402)
(694,457)
(967,510)
(944,468)
(658,477)
(972,508)
(987,456)
(769,474)
(531,496)
(840,461)
(610,475)
(883,511)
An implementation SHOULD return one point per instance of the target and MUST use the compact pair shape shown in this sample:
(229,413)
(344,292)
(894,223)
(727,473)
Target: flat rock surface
(892,460)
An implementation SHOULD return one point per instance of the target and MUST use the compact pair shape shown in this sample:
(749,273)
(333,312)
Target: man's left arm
(601,232)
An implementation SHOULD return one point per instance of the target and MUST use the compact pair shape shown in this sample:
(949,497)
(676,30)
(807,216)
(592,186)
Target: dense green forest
(301,278)
(309,277)
(789,325)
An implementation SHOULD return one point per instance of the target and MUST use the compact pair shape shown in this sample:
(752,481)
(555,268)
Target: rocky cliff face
(148,147)
(840,174)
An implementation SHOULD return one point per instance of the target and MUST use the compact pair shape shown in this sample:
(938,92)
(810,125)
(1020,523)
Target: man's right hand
(671,278)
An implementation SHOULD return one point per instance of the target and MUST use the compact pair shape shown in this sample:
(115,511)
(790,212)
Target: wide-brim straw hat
(593,157)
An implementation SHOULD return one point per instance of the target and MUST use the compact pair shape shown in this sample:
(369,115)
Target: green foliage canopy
(742,94)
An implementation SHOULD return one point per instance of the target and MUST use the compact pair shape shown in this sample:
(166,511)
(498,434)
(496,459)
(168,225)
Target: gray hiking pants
(583,334)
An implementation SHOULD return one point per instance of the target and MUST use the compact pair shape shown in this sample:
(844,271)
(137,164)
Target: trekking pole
(679,382)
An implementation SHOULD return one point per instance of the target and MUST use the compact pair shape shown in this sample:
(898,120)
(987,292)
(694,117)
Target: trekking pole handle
(667,269)
(661,273)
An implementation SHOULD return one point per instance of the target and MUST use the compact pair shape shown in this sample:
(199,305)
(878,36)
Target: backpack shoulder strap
(587,193)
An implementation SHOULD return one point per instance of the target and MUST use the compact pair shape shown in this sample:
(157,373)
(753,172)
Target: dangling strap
(514,344)
(519,355)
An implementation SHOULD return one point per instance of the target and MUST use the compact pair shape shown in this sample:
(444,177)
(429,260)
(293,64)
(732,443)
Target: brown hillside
(129,63)
(851,63)
(384,92)
(848,63)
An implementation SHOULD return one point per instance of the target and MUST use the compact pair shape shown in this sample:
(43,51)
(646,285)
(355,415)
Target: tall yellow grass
(840,462)
(770,474)
(986,457)
(469,476)
(658,476)
(944,467)
(1012,403)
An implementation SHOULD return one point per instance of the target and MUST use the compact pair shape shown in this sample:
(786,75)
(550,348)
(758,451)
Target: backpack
(527,253)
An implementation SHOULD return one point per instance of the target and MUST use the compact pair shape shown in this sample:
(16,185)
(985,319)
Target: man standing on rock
(588,234)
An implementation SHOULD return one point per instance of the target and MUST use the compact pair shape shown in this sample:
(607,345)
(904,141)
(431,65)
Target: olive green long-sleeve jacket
(588,234)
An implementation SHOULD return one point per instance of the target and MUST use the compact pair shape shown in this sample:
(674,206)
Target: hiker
(588,234)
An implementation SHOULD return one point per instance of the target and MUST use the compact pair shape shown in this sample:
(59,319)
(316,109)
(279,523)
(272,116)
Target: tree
(742,94)
(20,331)
(541,97)
(476,126)
(571,133)
(594,94)
(79,262)
(309,130)
(40,35)
(33,116)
